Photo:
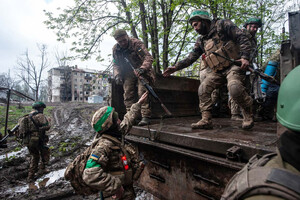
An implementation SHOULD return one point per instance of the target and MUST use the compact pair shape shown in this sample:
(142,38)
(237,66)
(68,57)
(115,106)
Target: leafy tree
(161,25)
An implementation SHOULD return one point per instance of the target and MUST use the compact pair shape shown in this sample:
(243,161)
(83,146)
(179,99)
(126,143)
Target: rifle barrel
(150,89)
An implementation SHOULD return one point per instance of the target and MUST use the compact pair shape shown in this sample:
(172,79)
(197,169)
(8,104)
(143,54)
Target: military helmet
(38,104)
(103,119)
(288,104)
(199,15)
(253,20)
(118,33)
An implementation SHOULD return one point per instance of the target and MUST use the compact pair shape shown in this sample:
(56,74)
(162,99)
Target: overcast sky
(21,28)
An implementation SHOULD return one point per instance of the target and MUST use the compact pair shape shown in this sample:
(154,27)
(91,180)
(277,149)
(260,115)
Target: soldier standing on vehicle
(113,166)
(250,29)
(276,175)
(135,51)
(224,38)
(33,129)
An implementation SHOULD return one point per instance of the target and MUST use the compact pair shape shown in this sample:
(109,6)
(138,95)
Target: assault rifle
(268,78)
(10,133)
(149,88)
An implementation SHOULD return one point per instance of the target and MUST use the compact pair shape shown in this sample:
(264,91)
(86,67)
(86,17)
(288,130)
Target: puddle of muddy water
(42,182)
(52,177)
(23,151)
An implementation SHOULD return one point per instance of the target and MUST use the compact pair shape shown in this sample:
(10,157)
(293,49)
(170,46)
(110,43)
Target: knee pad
(235,89)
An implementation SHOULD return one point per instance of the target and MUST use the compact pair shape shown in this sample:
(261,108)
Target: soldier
(141,59)
(112,166)
(34,136)
(251,26)
(275,175)
(224,38)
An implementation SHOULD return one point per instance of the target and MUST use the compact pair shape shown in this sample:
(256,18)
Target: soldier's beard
(204,29)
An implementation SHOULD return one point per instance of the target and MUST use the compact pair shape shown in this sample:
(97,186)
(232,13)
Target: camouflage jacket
(105,169)
(268,177)
(226,30)
(137,54)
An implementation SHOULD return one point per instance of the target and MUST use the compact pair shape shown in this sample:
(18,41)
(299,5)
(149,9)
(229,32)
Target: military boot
(248,122)
(205,122)
(236,117)
(144,121)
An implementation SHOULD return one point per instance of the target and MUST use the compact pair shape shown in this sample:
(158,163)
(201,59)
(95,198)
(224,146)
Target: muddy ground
(70,134)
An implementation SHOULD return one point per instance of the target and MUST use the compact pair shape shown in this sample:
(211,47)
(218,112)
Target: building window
(80,92)
(99,88)
(80,86)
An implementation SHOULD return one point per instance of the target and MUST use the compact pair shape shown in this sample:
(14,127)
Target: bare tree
(30,73)
(61,57)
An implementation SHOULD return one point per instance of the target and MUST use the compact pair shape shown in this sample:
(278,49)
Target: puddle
(52,176)
(22,152)
(42,182)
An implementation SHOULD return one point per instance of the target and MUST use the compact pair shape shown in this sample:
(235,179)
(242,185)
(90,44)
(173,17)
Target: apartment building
(75,84)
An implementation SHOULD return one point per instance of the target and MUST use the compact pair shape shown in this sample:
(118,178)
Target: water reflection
(23,151)
(40,183)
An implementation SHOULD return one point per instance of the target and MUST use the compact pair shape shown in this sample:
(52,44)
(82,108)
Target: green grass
(15,113)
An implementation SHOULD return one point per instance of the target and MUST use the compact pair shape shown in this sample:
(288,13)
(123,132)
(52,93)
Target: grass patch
(16,112)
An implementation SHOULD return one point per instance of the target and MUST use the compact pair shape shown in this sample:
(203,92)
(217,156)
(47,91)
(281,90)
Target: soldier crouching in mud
(33,129)
(113,166)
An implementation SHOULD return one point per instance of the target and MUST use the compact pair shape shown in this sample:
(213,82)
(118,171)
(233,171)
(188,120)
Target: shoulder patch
(141,52)
(94,157)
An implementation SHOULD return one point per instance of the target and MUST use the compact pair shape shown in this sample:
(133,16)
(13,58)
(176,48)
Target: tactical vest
(227,49)
(255,179)
(120,164)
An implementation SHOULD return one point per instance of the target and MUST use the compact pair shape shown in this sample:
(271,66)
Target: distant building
(74,84)
(95,99)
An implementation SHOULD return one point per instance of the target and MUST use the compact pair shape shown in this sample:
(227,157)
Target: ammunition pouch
(217,63)
(34,141)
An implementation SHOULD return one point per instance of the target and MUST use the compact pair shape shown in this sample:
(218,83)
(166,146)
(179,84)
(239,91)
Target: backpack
(26,126)
(75,170)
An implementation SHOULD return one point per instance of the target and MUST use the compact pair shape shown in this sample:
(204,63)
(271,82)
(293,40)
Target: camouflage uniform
(269,177)
(108,171)
(234,107)
(36,141)
(221,31)
(139,57)
(219,96)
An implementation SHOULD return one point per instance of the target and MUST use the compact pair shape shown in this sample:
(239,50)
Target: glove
(118,80)
(140,71)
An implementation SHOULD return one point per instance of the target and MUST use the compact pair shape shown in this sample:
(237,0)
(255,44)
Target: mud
(69,135)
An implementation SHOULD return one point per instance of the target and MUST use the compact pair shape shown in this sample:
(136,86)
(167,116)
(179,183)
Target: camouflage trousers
(235,77)
(219,95)
(37,150)
(132,88)
(234,107)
